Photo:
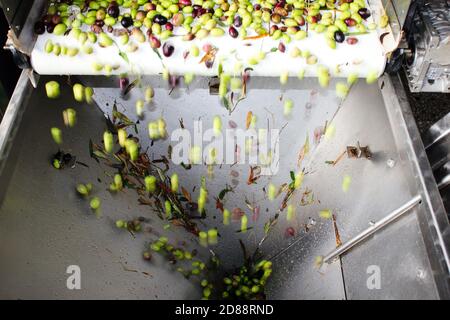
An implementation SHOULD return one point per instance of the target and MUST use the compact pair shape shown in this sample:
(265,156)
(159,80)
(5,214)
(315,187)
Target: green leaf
(186,167)
(124,56)
(292,175)
(91,148)
(274,49)
(157,53)
(224,192)
(226,103)
(100,154)
(125,120)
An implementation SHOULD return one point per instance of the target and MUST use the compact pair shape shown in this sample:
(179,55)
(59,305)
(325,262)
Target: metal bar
(329,258)
(13,114)
(437,132)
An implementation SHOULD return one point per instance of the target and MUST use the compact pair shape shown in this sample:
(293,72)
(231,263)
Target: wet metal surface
(45,226)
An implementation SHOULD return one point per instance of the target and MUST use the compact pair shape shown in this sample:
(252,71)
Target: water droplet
(421,274)
(390,163)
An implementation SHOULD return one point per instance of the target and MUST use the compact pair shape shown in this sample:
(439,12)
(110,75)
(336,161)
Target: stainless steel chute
(45,227)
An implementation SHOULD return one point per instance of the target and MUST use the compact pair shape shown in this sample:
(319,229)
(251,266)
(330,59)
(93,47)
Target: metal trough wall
(45,227)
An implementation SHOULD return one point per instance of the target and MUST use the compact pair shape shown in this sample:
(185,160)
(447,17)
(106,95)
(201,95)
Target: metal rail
(397,213)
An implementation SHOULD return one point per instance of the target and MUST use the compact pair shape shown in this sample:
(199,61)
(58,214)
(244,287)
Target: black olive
(47,19)
(127,22)
(160,19)
(113,10)
(364,13)
(39,27)
(339,36)
(50,28)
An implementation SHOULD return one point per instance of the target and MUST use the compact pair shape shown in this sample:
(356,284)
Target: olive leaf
(225,191)
(124,56)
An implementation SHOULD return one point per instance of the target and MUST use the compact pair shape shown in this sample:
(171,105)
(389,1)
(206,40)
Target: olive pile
(280,19)
(247,282)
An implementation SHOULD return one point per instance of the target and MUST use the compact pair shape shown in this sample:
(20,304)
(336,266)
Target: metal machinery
(393,221)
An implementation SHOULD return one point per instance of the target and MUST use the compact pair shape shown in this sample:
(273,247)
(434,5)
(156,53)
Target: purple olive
(237,21)
(185,2)
(113,10)
(364,13)
(154,42)
(56,19)
(169,26)
(339,36)
(168,49)
(233,32)
(173,80)
(123,83)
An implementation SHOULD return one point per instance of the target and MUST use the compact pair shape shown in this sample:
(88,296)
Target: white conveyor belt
(366,56)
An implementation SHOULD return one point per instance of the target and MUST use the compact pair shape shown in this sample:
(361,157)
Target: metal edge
(13,115)
(437,131)
(432,218)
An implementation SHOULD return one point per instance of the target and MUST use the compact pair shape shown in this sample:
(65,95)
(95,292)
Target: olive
(169,26)
(272,29)
(160,19)
(168,49)
(316,18)
(352,40)
(50,27)
(173,80)
(196,11)
(339,36)
(39,27)
(364,13)
(149,7)
(154,42)
(127,22)
(301,21)
(275,18)
(99,23)
(350,22)
(47,19)
(96,29)
(123,83)
(237,21)
(56,19)
(113,10)
(233,32)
